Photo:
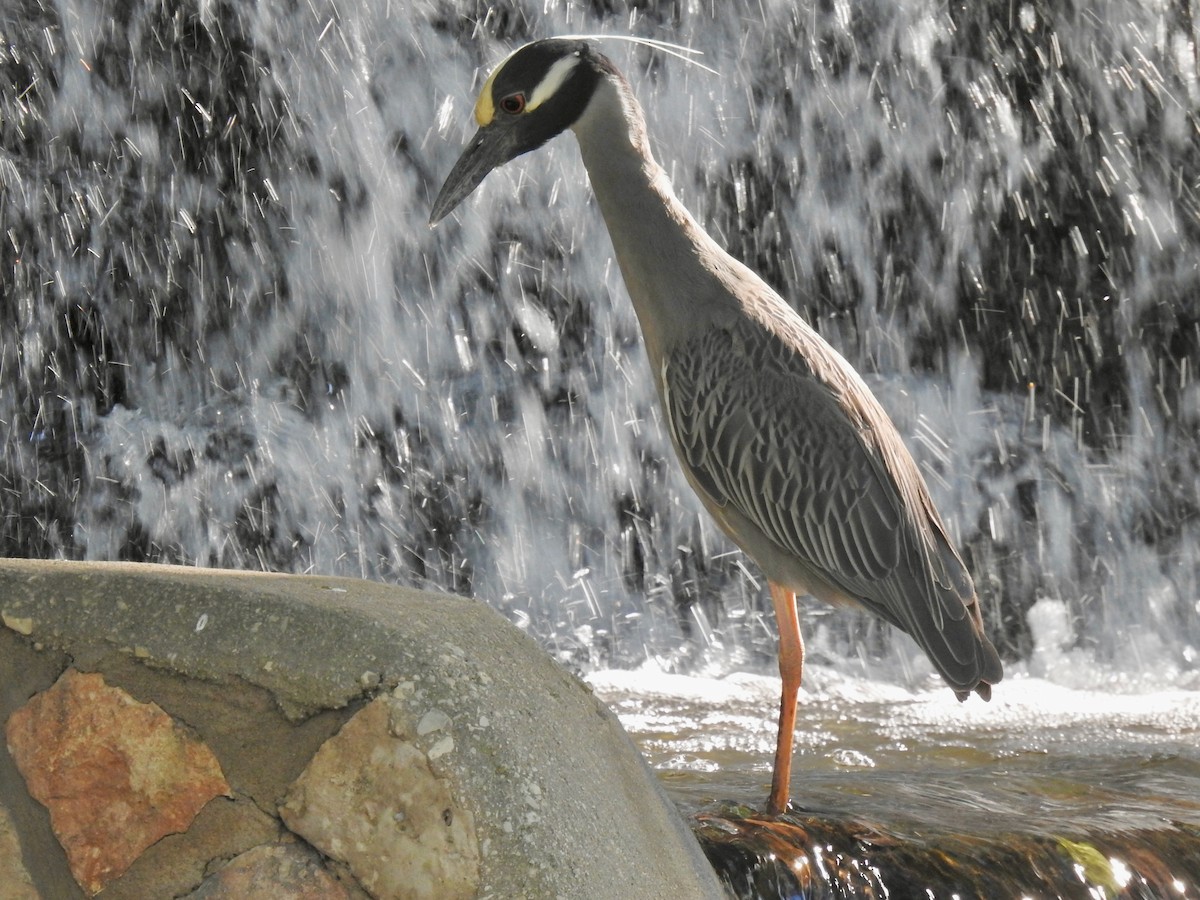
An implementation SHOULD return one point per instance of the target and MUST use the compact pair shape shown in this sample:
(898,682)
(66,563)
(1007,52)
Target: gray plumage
(802,468)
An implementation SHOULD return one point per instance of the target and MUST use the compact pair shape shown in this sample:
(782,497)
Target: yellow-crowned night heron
(783,442)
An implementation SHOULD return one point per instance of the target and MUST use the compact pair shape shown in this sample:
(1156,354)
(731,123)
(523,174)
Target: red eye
(513,104)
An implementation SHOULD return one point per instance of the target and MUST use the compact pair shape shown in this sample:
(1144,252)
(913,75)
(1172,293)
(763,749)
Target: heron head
(537,92)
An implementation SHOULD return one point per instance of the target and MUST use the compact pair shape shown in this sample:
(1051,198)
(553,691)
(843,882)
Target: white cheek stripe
(558,74)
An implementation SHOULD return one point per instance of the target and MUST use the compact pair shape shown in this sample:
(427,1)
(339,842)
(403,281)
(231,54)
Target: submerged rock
(831,856)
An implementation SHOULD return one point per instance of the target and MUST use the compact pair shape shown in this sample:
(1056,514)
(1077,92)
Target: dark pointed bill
(489,148)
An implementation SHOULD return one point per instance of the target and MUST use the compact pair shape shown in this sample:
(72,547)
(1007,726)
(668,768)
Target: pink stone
(116,774)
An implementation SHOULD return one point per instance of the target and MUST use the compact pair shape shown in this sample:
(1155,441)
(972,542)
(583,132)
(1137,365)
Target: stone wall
(204,734)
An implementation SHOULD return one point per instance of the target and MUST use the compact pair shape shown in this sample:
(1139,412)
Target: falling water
(229,338)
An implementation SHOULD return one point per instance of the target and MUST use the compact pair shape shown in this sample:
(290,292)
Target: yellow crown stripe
(485,111)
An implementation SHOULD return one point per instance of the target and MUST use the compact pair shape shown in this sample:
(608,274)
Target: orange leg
(791,667)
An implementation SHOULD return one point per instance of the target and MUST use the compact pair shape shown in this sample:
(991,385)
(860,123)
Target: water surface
(1051,776)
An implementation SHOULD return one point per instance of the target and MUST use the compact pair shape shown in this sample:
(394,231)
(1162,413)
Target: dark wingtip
(983,689)
(990,672)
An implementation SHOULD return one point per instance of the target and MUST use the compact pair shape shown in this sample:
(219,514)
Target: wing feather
(773,424)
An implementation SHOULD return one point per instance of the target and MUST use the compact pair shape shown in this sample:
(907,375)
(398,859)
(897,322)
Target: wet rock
(829,854)
(116,775)
(274,872)
(370,799)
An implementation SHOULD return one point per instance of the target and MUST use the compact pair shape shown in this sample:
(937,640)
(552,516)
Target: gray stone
(15,881)
(563,804)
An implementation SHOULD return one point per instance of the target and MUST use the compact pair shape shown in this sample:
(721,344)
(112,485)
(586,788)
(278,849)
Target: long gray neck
(673,270)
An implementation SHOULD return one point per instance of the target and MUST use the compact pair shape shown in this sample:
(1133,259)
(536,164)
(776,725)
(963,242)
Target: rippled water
(715,737)
(1047,775)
